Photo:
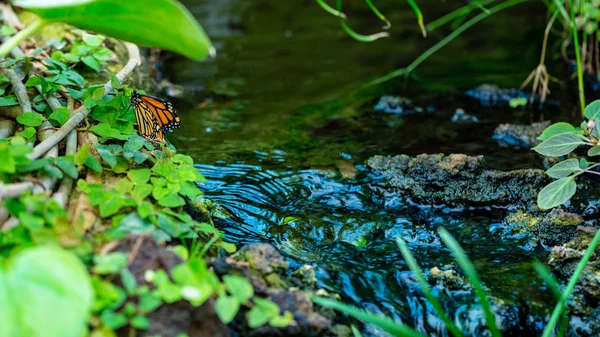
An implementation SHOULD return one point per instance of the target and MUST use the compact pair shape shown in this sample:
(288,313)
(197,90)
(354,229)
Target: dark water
(281,131)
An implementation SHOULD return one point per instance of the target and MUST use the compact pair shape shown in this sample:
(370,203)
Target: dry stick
(82,112)
(66,185)
(14,190)
(19,89)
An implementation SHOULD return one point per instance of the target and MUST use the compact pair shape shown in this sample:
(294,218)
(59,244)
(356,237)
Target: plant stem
(578,58)
(444,42)
(14,41)
(560,306)
(455,14)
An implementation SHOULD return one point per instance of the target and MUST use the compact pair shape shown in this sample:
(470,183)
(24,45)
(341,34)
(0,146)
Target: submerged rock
(399,106)
(555,228)
(454,180)
(519,136)
(460,116)
(492,95)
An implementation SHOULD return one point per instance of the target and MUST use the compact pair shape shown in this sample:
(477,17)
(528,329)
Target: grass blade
(543,271)
(443,42)
(355,331)
(578,58)
(330,9)
(467,267)
(383,323)
(376,11)
(463,11)
(414,267)
(419,15)
(562,303)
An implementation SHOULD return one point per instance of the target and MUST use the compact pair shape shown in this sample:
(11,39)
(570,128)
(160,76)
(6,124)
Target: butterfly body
(154,115)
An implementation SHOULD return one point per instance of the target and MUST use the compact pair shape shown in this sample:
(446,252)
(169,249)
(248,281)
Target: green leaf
(148,303)
(7,30)
(67,165)
(594,151)
(557,193)
(140,176)
(30,119)
(111,263)
(113,320)
(560,145)
(44,291)
(257,318)
(107,155)
(8,101)
(239,287)
(61,115)
(140,322)
(592,110)
(91,62)
(93,40)
(128,280)
(136,21)
(7,162)
(226,308)
(82,155)
(93,164)
(30,221)
(282,321)
(564,168)
(115,81)
(557,128)
(171,200)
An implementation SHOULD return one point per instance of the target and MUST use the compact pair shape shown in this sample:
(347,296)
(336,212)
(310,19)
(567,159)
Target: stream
(282,131)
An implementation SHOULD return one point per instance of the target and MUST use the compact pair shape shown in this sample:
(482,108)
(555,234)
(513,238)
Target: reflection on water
(275,118)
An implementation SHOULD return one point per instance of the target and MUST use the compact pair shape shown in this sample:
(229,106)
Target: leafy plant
(137,21)
(562,139)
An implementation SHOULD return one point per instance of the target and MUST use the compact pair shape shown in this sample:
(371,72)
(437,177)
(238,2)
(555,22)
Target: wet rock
(454,180)
(460,116)
(583,305)
(555,228)
(266,269)
(519,136)
(399,106)
(492,95)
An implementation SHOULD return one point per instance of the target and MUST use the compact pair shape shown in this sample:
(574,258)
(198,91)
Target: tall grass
(467,267)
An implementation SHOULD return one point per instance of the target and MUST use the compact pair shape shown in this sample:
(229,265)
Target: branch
(19,89)
(82,112)
(14,190)
(7,128)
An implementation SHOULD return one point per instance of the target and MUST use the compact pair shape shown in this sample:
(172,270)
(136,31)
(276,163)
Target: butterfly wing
(148,126)
(163,111)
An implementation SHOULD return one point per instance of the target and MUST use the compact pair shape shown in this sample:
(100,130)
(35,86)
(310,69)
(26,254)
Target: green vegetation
(562,139)
(76,179)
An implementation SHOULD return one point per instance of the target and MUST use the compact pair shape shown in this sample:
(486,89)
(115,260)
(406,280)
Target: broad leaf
(557,193)
(557,128)
(44,292)
(592,110)
(226,308)
(564,168)
(560,145)
(239,287)
(594,151)
(166,24)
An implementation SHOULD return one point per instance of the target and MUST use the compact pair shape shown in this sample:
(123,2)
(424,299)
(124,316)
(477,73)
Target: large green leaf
(564,168)
(557,128)
(560,144)
(44,292)
(592,110)
(166,24)
(557,193)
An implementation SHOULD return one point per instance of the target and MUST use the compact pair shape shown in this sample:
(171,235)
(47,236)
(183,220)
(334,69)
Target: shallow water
(281,131)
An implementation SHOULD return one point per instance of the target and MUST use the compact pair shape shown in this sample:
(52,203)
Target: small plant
(562,139)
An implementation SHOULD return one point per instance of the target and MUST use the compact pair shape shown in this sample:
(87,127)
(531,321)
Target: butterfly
(154,115)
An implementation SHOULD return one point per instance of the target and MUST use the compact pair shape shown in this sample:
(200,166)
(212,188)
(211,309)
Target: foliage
(137,21)
(563,139)
(44,291)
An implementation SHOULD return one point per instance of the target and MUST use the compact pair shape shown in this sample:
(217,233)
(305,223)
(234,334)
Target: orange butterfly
(154,115)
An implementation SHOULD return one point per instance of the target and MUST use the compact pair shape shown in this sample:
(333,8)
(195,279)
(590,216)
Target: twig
(82,112)
(19,89)
(14,190)
(66,185)
(135,249)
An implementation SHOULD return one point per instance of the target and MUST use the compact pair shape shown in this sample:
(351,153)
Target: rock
(454,180)
(399,106)
(461,117)
(555,228)
(583,305)
(261,257)
(492,95)
(519,136)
